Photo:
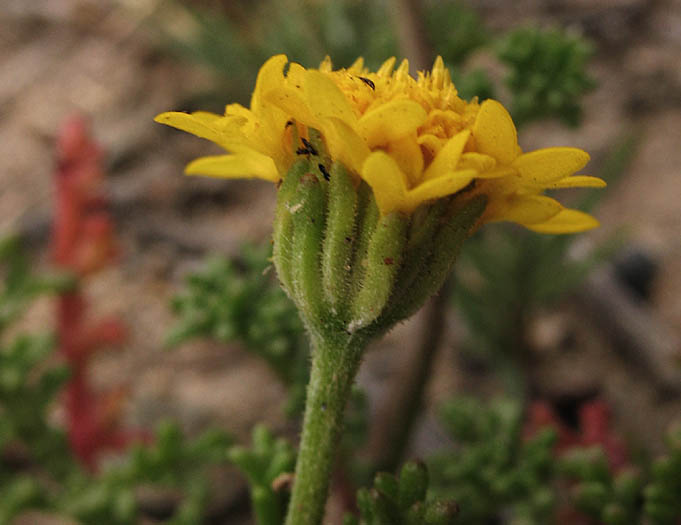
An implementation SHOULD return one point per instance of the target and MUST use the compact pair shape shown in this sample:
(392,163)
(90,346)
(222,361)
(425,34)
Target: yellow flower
(413,140)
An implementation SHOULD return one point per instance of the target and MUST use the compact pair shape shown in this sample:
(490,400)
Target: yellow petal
(440,187)
(344,144)
(577,181)
(326,65)
(440,74)
(388,182)
(407,153)
(292,103)
(386,68)
(325,99)
(448,157)
(431,143)
(477,161)
(208,118)
(496,173)
(241,165)
(391,121)
(197,125)
(550,164)
(567,221)
(402,71)
(358,68)
(289,96)
(237,110)
(271,74)
(526,209)
(495,133)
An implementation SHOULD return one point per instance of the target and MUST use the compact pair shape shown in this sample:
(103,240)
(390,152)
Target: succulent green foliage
(231,300)
(109,498)
(29,382)
(266,462)
(546,73)
(455,30)
(28,388)
(18,493)
(20,285)
(402,500)
(491,471)
(662,505)
(172,458)
(646,495)
(171,462)
(611,499)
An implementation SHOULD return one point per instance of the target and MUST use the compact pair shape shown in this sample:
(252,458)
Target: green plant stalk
(335,361)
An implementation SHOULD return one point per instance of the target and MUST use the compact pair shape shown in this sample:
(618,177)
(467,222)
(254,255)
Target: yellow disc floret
(413,140)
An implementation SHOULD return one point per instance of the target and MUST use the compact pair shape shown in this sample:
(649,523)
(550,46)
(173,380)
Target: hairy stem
(335,361)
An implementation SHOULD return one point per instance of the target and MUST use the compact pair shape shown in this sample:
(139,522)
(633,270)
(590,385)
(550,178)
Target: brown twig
(411,33)
(395,425)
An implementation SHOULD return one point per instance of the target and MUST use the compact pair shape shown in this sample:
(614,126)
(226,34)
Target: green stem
(335,361)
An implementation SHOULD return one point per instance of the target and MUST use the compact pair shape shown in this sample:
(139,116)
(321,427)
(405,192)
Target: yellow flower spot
(413,140)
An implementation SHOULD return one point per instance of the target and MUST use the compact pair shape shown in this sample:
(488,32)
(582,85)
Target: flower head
(413,140)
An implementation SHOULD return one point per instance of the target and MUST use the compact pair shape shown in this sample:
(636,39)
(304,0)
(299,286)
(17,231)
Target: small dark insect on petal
(368,82)
(288,123)
(310,148)
(326,174)
(302,151)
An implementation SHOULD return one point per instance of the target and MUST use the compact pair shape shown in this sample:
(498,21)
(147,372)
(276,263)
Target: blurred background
(563,321)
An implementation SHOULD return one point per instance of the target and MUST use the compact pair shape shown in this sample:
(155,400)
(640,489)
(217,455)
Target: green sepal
(317,142)
(448,241)
(384,259)
(307,211)
(338,241)
(425,223)
(282,236)
(367,218)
